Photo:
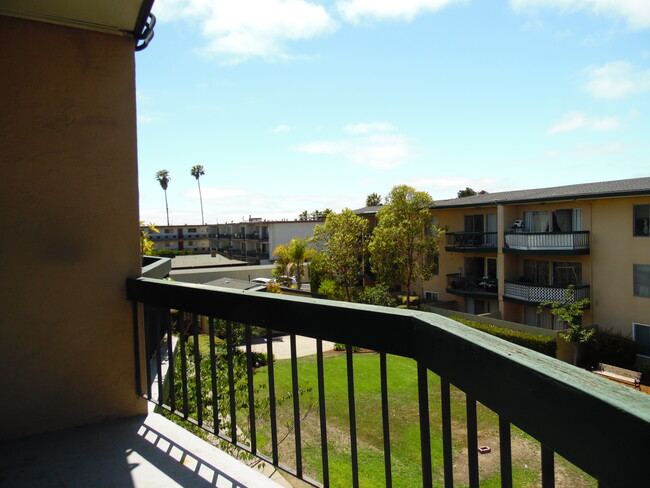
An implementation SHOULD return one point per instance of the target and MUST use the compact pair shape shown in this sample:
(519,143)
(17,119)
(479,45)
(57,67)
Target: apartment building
(252,240)
(197,238)
(505,253)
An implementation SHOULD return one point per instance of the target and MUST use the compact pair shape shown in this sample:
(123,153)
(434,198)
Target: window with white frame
(642,280)
(641,335)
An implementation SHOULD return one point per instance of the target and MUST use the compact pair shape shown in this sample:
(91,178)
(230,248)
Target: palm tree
(373,200)
(163,178)
(292,257)
(197,172)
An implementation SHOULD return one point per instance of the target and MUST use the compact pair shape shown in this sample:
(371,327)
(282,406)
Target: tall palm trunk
(201,200)
(167,208)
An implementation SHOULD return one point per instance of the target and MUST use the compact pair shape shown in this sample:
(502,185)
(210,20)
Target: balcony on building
(472,286)
(533,293)
(546,243)
(471,242)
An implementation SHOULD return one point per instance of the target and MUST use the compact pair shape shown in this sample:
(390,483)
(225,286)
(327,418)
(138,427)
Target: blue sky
(295,105)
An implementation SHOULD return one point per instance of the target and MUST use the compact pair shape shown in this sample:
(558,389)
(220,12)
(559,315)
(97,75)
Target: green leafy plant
(569,311)
(377,295)
(147,246)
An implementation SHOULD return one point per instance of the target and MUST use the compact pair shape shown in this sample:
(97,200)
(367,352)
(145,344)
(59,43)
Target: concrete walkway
(305,346)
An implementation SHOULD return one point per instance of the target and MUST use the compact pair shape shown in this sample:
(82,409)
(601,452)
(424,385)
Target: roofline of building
(560,198)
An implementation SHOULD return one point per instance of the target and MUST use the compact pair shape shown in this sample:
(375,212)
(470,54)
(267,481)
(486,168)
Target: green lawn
(404,427)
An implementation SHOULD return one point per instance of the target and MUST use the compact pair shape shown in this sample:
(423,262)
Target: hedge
(545,345)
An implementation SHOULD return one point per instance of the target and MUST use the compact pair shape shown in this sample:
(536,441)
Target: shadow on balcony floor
(143,451)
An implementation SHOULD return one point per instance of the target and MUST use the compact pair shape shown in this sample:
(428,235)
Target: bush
(413,300)
(612,348)
(341,347)
(545,345)
(377,295)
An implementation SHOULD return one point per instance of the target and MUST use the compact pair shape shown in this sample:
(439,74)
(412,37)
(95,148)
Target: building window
(191,243)
(168,231)
(641,334)
(642,280)
(431,295)
(191,230)
(642,220)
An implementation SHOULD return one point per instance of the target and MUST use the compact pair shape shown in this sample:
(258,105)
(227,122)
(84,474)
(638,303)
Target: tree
(292,258)
(403,245)
(342,245)
(373,200)
(304,215)
(147,246)
(468,192)
(197,172)
(163,178)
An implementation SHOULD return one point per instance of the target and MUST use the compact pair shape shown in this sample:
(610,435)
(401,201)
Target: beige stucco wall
(69,170)
(614,252)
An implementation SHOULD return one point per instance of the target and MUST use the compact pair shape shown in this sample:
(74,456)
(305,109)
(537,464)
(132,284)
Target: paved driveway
(305,346)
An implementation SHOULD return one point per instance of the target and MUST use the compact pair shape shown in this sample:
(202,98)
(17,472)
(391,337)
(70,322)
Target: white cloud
(368,127)
(356,10)
(635,12)
(280,129)
(617,79)
(372,147)
(237,30)
(578,120)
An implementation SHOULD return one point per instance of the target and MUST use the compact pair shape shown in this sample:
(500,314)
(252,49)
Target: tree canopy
(342,245)
(403,245)
(373,200)
(468,192)
(291,259)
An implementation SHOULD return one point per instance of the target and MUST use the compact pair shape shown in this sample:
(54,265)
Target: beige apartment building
(505,253)
(252,240)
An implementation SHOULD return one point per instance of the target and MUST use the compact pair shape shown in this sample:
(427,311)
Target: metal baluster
(548,467)
(272,409)
(323,414)
(472,442)
(148,312)
(353,418)
(213,375)
(231,382)
(181,320)
(171,367)
(425,430)
(251,390)
(157,322)
(385,419)
(296,406)
(197,370)
(447,453)
(505,453)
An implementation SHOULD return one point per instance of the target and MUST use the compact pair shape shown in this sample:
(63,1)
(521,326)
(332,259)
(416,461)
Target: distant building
(505,253)
(253,240)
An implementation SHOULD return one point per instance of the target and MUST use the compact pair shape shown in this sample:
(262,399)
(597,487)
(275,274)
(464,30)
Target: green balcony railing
(600,427)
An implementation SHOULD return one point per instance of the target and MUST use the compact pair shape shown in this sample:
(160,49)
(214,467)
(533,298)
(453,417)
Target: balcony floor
(139,452)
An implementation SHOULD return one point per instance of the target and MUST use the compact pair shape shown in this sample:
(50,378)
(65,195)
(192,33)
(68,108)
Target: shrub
(613,348)
(341,347)
(414,300)
(332,290)
(545,345)
(377,295)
